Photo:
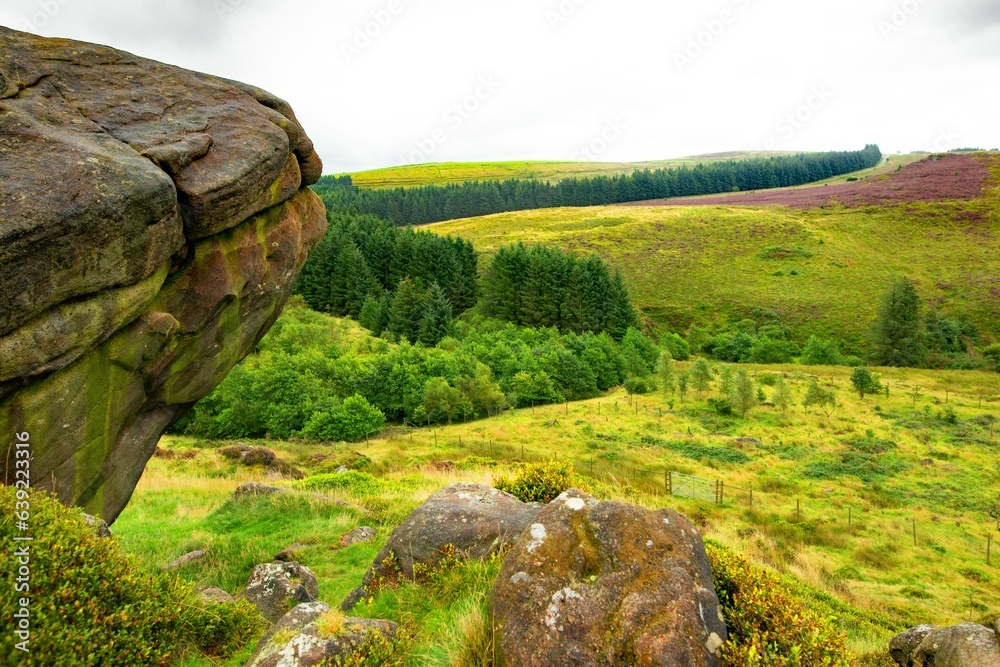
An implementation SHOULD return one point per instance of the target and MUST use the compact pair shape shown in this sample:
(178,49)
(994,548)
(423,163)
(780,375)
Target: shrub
(821,351)
(349,421)
(722,406)
(679,348)
(538,482)
(93,604)
(865,382)
(768,627)
(358,483)
(639,385)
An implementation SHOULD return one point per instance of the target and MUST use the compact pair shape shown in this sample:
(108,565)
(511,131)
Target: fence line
(665,483)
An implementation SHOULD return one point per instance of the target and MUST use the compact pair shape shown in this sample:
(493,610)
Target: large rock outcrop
(152,223)
(607,584)
(464,519)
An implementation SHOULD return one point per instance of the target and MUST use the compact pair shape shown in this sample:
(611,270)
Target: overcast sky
(385,82)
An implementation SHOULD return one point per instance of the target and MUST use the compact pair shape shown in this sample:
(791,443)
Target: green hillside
(821,270)
(444,173)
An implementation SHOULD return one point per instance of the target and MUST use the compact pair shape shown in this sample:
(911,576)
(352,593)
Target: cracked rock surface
(152,223)
(606,584)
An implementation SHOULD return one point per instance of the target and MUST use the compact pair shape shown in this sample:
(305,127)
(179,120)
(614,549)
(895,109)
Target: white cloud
(562,81)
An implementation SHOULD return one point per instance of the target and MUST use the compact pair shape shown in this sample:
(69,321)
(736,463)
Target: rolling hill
(820,267)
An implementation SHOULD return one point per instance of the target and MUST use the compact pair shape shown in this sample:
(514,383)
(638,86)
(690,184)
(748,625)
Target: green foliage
(865,382)
(92,604)
(768,625)
(356,482)
(666,372)
(679,348)
(865,466)
(895,337)
(348,421)
(546,287)
(824,399)
(744,397)
(700,375)
(538,482)
(639,385)
(699,452)
(820,351)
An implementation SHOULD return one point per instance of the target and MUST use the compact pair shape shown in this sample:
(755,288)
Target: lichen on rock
(152,223)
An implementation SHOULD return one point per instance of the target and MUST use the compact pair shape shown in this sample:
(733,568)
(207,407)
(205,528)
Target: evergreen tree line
(410,286)
(545,287)
(417,206)
(391,278)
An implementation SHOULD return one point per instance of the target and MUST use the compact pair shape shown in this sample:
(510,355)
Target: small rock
(214,594)
(745,442)
(274,588)
(301,638)
(904,645)
(100,526)
(250,456)
(341,469)
(256,489)
(927,462)
(189,557)
(362,534)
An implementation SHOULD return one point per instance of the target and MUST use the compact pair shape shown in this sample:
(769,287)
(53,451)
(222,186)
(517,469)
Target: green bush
(538,482)
(698,452)
(768,626)
(821,351)
(679,348)
(639,385)
(358,483)
(348,421)
(92,604)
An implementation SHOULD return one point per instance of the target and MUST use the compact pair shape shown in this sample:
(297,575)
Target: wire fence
(661,483)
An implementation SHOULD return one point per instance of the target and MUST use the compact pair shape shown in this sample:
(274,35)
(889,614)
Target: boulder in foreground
(605,583)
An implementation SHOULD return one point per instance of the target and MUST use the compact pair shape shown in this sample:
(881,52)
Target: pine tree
(436,320)
(896,335)
(407,311)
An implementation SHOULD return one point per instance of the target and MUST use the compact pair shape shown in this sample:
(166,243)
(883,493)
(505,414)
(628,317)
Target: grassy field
(835,499)
(821,270)
(444,173)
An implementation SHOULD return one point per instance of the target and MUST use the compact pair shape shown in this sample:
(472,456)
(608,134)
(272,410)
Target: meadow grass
(808,473)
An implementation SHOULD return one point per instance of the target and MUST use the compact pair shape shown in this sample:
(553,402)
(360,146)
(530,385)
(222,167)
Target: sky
(378,83)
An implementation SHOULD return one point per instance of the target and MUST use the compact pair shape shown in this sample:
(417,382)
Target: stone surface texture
(152,223)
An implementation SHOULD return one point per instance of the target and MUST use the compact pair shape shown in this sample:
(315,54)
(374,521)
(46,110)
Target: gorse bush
(538,482)
(768,626)
(91,604)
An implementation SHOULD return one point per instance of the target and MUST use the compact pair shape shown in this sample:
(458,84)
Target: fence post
(751,496)
(722,491)
(914,532)
(670,482)
(848,517)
